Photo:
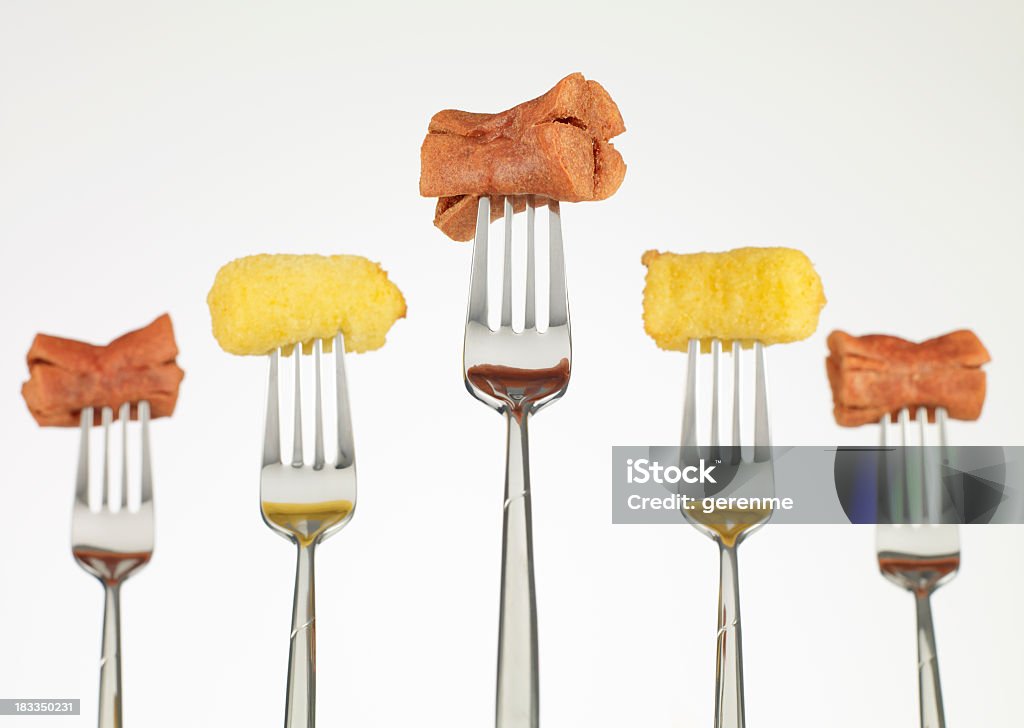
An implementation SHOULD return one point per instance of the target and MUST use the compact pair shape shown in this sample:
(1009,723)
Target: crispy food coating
(771,295)
(263,302)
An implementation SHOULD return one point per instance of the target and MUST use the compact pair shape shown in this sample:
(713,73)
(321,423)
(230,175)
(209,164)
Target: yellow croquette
(263,302)
(771,295)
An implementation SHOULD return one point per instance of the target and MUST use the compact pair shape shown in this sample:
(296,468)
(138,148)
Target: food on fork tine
(456,216)
(66,376)
(265,302)
(554,146)
(771,295)
(876,375)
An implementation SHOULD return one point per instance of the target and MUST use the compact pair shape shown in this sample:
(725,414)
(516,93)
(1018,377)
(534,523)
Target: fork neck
(729,702)
(110,664)
(300,702)
(517,685)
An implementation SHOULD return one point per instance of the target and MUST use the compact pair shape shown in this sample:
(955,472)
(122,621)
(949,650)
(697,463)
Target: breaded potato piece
(263,302)
(771,295)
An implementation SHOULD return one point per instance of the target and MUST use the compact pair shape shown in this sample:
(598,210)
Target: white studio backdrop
(144,145)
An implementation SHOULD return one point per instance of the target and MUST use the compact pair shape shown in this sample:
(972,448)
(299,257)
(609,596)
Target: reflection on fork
(113,542)
(739,468)
(916,550)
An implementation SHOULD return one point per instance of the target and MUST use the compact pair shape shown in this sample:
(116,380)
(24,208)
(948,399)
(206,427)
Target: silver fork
(307,503)
(916,550)
(517,374)
(749,473)
(112,544)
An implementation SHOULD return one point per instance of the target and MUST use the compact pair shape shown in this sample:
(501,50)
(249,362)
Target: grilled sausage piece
(554,146)
(872,376)
(66,376)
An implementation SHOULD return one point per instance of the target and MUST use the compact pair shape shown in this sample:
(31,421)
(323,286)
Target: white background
(142,145)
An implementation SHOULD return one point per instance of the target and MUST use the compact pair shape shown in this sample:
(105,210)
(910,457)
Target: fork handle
(729,710)
(517,693)
(110,663)
(930,690)
(300,705)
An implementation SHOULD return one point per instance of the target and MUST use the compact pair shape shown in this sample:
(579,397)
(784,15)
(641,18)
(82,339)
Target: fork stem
(729,711)
(517,694)
(110,663)
(300,706)
(930,690)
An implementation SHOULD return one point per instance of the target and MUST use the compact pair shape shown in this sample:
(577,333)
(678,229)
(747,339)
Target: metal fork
(916,550)
(112,544)
(517,374)
(307,503)
(749,473)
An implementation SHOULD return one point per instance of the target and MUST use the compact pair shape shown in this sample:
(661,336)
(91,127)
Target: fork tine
(297,429)
(762,432)
(272,429)
(892,503)
(737,381)
(943,458)
(506,284)
(690,398)
(477,310)
(82,477)
(147,464)
(106,415)
(940,420)
(931,466)
(318,455)
(931,495)
(933,457)
(716,354)
(558,302)
(907,483)
(530,319)
(125,416)
(892,466)
(346,447)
